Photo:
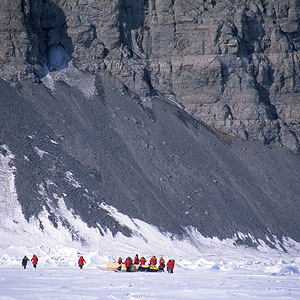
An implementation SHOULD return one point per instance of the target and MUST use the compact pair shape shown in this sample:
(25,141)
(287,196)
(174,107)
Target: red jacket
(162,262)
(171,264)
(143,261)
(81,261)
(128,262)
(34,259)
(153,261)
(120,260)
(136,260)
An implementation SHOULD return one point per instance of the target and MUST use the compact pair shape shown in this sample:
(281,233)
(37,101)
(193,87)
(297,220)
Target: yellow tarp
(113,265)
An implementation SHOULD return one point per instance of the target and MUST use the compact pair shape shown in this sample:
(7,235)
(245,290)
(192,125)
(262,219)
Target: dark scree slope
(149,159)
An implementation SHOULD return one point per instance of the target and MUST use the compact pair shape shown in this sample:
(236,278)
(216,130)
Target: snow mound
(289,270)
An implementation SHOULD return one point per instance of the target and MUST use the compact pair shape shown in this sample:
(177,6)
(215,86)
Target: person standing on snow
(128,263)
(120,264)
(153,261)
(81,262)
(25,260)
(143,261)
(170,265)
(34,261)
(136,260)
(161,264)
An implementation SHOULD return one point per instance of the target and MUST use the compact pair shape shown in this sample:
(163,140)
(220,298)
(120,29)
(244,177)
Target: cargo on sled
(134,268)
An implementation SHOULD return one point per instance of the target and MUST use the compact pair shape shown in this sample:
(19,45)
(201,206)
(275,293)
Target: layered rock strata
(231,64)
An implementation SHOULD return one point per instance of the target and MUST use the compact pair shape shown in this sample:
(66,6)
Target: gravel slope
(147,158)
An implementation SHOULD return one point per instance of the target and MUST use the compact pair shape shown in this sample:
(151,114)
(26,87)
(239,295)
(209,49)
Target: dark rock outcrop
(231,64)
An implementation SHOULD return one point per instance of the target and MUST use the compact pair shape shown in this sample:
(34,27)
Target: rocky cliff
(87,115)
(232,64)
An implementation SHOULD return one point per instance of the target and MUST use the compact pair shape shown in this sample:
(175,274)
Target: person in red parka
(170,265)
(153,261)
(136,259)
(81,262)
(143,261)
(161,264)
(34,260)
(120,264)
(128,263)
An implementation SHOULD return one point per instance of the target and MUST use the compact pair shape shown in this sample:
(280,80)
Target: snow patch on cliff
(85,82)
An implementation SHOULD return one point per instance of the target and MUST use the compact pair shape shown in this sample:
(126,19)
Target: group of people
(153,262)
(128,262)
(34,260)
(25,260)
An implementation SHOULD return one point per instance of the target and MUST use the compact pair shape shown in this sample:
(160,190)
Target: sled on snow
(149,268)
(120,267)
(134,268)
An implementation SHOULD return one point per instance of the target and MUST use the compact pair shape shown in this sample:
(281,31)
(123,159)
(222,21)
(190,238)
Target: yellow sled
(134,268)
(148,268)
(120,267)
(153,269)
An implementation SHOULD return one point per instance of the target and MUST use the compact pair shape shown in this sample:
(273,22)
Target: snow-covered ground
(218,270)
(205,268)
(275,280)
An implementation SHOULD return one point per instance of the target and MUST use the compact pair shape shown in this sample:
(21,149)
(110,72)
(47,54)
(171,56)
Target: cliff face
(231,64)
(77,138)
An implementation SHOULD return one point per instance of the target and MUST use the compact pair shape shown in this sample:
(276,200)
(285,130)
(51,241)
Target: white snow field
(212,270)
(231,280)
(91,283)
(205,268)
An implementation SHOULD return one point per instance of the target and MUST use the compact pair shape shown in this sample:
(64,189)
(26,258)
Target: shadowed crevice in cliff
(263,88)
(131,17)
(253,34)
(51,47)
(134,35)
